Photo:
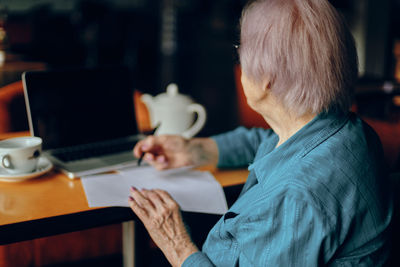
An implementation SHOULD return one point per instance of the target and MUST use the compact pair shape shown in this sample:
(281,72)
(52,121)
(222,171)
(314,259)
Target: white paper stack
(194,191)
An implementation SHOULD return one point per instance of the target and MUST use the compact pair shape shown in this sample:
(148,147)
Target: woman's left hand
(161,216)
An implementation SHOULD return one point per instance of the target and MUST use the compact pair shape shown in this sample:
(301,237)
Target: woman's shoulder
(353,150)
(347,166)
(335,168)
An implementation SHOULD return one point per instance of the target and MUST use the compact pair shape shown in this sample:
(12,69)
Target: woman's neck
(285,123)
(286,126)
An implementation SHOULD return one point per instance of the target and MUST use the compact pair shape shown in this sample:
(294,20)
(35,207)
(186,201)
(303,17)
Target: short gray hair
(306,50)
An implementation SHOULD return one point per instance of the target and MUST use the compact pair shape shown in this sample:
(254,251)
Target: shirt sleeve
(238,147)
(290,233)
(197,259)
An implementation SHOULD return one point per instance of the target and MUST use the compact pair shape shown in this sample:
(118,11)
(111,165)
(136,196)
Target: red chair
(8,94)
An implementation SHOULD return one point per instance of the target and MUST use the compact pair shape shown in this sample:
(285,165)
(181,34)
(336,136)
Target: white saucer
(44,165)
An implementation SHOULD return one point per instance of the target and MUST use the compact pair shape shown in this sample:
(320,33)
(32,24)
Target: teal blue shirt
(319,199)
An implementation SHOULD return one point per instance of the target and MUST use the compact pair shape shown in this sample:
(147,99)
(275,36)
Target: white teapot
(174,113)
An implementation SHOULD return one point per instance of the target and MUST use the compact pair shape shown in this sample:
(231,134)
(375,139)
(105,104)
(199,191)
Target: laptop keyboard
(93,150)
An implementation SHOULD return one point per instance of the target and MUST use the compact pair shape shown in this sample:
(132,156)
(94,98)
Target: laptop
(85,118)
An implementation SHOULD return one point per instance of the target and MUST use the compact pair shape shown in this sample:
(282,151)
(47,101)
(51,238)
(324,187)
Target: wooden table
(54,204)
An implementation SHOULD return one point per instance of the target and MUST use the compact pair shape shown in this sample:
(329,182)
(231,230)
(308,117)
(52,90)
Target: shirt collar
(298,145)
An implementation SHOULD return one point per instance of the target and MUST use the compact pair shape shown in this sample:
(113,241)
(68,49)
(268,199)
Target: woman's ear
(267,86)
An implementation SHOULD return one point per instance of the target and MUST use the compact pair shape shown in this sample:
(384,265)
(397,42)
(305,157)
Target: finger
(143,146)
(161,159)
(158,202)
(152,160)
(137,150)
(158,161)
(161,162)
(137,209)
(149,156)
(164,195)
(166,198)
(142,200)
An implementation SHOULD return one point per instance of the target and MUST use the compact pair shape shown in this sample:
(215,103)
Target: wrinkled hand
(173,151)
(164,152)
(161,216)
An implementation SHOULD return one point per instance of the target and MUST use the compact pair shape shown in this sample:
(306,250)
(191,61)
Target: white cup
(20,154)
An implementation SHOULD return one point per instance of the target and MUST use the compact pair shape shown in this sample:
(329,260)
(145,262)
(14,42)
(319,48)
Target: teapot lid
(173,97)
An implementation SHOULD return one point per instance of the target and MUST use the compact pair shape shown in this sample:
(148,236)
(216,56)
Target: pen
(149,133)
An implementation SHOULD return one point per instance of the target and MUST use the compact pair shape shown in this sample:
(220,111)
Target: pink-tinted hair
(304,48)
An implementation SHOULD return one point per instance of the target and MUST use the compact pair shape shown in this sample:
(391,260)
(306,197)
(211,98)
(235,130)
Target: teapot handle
(199,123)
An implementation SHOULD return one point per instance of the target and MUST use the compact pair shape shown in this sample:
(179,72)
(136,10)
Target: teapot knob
(172,89)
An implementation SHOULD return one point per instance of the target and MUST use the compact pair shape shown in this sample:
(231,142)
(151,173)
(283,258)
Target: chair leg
(128,243)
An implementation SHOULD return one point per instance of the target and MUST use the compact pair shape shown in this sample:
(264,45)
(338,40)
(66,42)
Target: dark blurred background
(161,41)
(187,41)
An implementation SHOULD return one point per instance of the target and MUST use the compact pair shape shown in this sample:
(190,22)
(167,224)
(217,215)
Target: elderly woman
(316,190)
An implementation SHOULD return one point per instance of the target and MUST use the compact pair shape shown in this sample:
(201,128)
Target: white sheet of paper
(194,191)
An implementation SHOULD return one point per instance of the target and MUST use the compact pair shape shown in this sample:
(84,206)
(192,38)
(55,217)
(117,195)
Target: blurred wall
(188,42)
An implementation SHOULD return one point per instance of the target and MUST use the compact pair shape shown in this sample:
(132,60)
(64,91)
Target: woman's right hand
(173,151)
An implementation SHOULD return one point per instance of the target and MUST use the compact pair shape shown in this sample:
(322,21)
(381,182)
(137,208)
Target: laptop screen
(74,107)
